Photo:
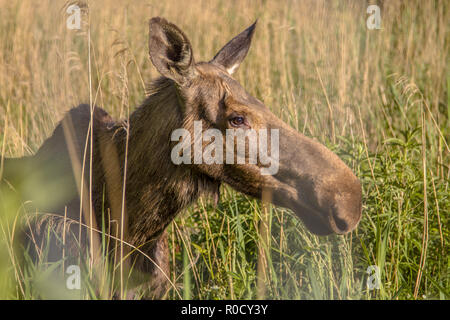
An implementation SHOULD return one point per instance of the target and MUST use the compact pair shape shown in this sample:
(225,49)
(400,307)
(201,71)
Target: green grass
(378,98)
(302,266)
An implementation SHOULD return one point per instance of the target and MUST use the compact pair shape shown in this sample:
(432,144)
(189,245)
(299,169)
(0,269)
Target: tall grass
(378,98)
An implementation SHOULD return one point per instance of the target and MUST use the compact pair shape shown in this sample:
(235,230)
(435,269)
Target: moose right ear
(170,51)
(232,54)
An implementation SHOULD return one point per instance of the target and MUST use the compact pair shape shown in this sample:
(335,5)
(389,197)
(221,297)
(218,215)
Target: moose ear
(170,51)
(234,52)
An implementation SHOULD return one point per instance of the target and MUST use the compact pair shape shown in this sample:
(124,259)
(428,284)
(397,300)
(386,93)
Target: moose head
(215,110)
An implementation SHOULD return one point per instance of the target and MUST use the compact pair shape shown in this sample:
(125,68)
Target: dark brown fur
(311,180)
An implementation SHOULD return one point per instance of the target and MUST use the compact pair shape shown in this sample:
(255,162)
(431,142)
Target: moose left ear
(170,51)
(234,52)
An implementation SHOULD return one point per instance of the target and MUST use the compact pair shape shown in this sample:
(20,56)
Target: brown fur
(312,181)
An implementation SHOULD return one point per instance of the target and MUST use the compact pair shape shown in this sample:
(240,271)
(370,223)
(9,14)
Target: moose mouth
(323,222)
(323,212)
(316,222)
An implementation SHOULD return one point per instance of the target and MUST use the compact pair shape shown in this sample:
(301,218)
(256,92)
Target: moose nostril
(340,224)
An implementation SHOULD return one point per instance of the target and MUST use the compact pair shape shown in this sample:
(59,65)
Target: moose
(97,171)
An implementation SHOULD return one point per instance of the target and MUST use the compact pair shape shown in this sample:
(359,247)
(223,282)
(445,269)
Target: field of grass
(378,98)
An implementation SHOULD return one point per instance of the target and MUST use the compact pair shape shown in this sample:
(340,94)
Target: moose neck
(157,189)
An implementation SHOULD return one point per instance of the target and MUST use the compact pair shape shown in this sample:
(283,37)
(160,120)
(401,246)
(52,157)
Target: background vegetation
(378,98)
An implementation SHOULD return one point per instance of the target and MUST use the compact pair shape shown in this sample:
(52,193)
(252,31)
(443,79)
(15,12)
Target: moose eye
(237,121)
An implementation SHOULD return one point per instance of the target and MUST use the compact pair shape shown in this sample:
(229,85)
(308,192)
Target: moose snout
(329,207)
(317,185)
(344,205)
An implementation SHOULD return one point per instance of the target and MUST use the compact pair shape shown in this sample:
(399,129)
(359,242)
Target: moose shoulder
(94,169)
